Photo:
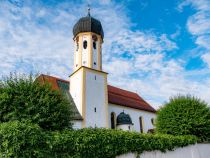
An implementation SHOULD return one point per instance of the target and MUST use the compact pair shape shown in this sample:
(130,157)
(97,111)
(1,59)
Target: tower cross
(88,9)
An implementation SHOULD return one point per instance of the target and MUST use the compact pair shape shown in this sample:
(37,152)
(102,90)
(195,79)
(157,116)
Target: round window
(85,44)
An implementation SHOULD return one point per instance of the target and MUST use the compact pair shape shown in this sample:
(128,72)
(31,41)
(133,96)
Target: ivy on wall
(29,140)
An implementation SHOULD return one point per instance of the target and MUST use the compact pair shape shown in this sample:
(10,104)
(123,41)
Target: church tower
(88,83)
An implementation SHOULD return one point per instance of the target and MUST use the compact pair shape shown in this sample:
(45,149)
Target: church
(96,103)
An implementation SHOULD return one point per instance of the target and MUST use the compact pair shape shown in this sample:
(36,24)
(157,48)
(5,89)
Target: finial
(88,9)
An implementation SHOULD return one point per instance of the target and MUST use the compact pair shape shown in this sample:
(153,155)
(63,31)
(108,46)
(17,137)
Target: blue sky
(155,48)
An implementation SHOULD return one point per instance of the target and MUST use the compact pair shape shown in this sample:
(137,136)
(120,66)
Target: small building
(97,104)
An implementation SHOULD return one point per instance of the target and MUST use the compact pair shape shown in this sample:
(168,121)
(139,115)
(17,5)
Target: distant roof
(115,95)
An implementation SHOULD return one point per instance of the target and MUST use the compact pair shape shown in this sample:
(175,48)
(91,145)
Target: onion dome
(88,24)
(123,118)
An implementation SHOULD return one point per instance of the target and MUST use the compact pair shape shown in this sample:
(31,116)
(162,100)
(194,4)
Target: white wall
(76,89)
(134,114)
(85,52)
(77,124)
(76,50)
(95,55)
(192,151)
(95,98)
(125,127)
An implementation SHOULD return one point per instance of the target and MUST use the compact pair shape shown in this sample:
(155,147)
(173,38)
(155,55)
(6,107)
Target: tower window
(95,109)
(85,44)
(94,63)
(94,45)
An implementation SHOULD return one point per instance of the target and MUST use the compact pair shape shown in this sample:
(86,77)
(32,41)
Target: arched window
(85,44)
(141,124)
(94,45)
(113,120)
(153,121)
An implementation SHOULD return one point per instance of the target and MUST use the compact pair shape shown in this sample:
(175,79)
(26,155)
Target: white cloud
(199,23)
(206,58)
(203,41)
(39,38)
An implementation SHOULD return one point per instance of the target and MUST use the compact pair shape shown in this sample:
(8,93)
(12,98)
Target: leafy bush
(21,98)
(28,140)
(21,140)
(184,115)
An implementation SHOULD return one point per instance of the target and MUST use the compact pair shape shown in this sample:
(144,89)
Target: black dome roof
(88,24)
(123,118)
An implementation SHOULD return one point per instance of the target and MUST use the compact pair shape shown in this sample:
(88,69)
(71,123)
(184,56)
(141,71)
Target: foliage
(28,140)
(21,140)
(184,115)
(22,98)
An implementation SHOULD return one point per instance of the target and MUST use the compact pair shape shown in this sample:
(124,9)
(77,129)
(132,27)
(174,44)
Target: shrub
(21,140)
(184,115)
(22,98)
(28,140)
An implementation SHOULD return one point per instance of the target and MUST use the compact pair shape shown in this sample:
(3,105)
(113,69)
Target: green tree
(184,115)
(22,98)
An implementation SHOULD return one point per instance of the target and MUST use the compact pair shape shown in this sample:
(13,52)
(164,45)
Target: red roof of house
(115,95)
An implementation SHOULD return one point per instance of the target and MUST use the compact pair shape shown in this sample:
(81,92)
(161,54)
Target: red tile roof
(115,95)
(129,99)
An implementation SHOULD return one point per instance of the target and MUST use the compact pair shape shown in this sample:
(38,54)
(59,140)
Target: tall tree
(22,98)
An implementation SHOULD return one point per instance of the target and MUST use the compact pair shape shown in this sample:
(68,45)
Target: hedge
(184,115)
(28,140)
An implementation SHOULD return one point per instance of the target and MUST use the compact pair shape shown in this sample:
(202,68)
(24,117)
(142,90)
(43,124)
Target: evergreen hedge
(184,115)
(25,140)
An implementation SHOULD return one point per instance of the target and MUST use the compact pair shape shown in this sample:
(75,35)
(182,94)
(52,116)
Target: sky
(158,49)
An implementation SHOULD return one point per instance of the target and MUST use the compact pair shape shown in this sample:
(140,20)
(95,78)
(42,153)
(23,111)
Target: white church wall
(76,49)
(95,100)
(77,124)
(85,51)
(192,151)
(95,56)
(125,127)
(134,114)
(76,89)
